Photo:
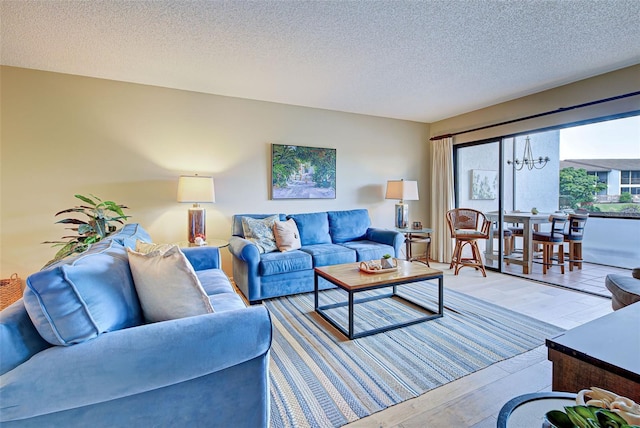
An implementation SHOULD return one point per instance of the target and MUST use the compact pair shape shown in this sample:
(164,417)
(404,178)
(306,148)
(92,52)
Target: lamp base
(196,226)
(402,215)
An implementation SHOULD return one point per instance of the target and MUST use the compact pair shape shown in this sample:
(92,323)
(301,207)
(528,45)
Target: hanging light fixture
(527,158)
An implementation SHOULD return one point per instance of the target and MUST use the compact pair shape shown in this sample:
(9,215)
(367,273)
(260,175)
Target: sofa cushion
(260,232)
(345,226)
(313,227)
(369,250)
(167,285)
(291,261)
(220,291)
(287,235)
(236,222)
(329,254)
(79,298)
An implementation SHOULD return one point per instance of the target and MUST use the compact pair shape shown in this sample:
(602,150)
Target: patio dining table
(528,220)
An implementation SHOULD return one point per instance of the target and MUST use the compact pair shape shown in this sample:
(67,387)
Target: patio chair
(467,226)
(548,240)
(573,236)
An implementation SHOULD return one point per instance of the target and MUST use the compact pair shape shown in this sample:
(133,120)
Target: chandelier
(527,158)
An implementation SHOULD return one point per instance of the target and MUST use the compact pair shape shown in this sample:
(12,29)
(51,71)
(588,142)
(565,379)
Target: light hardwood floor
(476,400)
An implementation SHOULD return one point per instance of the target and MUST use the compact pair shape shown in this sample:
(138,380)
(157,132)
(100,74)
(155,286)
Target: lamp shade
(406,190)
(196,189)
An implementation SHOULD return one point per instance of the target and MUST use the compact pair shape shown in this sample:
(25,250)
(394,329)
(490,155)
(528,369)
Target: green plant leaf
(559,419)
(609,419)
(70,221)
(87,200)
(575,417)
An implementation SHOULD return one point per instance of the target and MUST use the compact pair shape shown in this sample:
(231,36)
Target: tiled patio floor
(589,279)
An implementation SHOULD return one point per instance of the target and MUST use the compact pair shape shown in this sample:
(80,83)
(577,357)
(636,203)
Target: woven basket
(10,290)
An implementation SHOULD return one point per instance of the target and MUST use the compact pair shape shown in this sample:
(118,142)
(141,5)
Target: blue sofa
(327,238)
(76,351)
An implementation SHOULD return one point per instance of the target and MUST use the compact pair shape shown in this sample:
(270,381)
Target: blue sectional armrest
(388,237)
(135,360)
(203,258)
(244,250)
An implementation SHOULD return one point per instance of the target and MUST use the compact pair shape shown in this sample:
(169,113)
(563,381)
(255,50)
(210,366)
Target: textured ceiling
(415,60)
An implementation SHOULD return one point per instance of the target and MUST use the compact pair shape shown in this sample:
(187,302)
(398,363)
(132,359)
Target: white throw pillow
(148,247)
(167,285)
(287,235)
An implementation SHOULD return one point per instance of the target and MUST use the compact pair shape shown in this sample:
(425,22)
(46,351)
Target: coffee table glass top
(350,276)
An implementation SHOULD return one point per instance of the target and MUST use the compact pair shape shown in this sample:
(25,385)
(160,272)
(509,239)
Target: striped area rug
(321,379)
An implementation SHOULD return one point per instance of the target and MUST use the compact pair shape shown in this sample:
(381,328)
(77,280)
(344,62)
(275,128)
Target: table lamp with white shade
(197,190)
(404,190)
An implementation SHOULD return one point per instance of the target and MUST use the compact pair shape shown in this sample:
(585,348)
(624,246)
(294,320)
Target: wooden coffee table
(351,279)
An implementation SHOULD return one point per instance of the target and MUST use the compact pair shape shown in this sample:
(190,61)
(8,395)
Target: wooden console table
(604,353)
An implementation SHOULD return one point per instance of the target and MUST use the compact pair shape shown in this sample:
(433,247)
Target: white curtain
(442,198)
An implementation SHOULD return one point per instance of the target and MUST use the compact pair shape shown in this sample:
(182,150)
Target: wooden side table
(417,236)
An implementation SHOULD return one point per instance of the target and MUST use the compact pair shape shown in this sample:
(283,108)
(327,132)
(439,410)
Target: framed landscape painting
(484,184)
(299,172)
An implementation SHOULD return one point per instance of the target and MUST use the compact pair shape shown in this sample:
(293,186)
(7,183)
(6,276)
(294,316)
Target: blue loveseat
(327,238)
(76,351)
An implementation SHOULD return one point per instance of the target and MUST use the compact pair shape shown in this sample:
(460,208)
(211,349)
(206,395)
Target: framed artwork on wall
(300,172)
(484,184)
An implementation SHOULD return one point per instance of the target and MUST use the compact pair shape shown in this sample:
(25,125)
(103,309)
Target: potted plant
(386,261)
(99,224)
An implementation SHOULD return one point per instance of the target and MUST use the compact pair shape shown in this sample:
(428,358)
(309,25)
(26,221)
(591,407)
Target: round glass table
(527,411)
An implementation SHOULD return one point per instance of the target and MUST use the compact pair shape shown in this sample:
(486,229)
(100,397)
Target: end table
(417,236)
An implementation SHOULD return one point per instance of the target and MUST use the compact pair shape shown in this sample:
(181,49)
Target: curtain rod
(546,113)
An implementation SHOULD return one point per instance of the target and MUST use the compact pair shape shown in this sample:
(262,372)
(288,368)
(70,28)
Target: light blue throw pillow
(80,298)
(260,232)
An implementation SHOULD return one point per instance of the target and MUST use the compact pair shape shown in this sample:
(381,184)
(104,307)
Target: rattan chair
(548,240)
(573,236)
(467,226)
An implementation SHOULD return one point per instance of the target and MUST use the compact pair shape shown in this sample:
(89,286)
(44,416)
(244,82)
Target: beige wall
(64,134)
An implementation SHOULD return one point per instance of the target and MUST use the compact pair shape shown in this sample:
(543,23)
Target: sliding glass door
(505,177)
(477,179)
(518,181)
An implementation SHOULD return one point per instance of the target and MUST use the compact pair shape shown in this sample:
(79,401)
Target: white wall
(64,134)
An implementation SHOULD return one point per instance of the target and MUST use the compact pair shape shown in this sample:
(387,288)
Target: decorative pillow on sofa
(149,247)
(79,298)
(167,285)
(287,235)
(260,232)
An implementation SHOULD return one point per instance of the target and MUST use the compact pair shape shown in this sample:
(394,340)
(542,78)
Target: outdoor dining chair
(548,241)
(573,236)
(467,226)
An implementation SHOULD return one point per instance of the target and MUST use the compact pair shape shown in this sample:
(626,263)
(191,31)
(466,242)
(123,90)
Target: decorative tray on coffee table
(373,266)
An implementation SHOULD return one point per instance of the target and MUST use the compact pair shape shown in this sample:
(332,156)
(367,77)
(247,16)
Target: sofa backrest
(236,222)
(81,297)
(346,226)
(313,228)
